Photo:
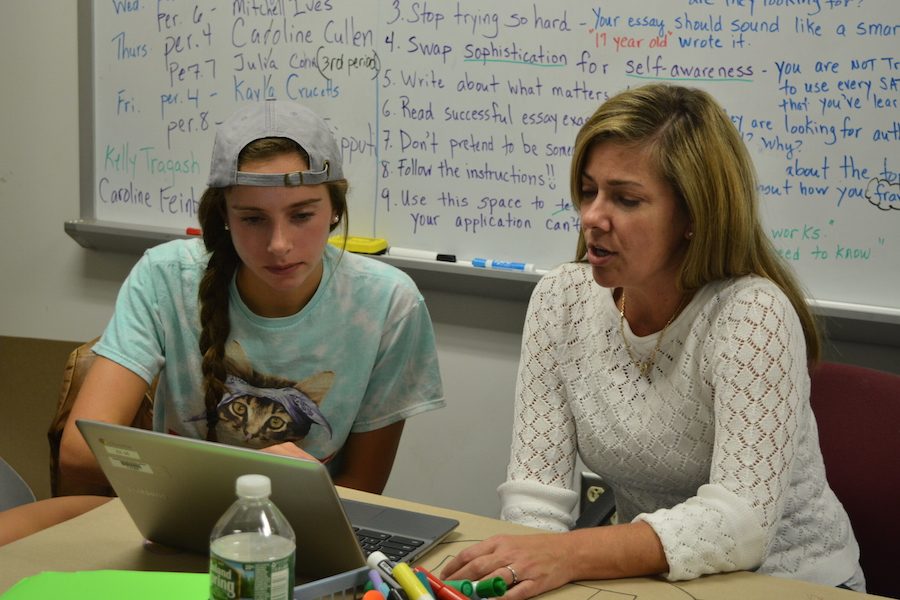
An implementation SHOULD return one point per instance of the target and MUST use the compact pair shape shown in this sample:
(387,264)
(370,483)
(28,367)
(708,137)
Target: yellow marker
(361,245)
(409,582)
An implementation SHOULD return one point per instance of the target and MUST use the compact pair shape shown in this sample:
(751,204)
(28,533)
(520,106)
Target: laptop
(176,488)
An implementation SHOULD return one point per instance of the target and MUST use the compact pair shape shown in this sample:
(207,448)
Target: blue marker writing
(486,263)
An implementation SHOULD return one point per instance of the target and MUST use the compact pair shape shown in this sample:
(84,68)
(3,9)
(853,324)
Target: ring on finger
(515,576)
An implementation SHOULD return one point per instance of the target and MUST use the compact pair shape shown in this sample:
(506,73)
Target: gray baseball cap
(274,118)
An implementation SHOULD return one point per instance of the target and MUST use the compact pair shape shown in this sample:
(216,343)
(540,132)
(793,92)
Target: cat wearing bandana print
(259,410)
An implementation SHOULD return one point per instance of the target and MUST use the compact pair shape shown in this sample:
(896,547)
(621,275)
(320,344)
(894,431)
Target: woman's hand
(529,564)
(545,561)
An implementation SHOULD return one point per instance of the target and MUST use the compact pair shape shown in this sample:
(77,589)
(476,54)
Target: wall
(31,371)
(55,290)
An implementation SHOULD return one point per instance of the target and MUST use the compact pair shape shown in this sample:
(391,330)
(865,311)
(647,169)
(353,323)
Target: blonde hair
(693,145)
(223,262)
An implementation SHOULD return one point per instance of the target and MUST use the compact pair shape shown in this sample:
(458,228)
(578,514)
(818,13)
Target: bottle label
(240,580)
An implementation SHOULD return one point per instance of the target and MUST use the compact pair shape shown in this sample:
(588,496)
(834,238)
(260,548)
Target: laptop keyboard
(395,547)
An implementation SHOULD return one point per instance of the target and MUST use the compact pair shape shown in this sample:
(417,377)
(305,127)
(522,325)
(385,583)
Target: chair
(597,504)
(76,368)
(13,489)
(858,414)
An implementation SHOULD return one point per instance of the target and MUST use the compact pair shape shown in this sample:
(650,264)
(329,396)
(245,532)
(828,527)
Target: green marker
(464,586)
(490,588)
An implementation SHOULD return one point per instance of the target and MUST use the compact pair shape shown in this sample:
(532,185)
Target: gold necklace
(644,366)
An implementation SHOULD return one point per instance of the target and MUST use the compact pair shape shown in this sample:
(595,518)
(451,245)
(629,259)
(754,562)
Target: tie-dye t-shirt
(359,356)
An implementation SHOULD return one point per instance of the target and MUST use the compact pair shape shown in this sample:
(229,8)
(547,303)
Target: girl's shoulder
(360,274)
(185,260)
(187,253)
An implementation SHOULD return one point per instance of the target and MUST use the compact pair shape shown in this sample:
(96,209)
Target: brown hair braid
(213,296)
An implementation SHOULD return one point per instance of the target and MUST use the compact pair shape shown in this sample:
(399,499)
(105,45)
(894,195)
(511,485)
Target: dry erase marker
(463,586)
(378,582)
(427,584)
(503,265)
(420,254)
(373,595)
(490,588)
(381,563)
(411,584)
(442,590)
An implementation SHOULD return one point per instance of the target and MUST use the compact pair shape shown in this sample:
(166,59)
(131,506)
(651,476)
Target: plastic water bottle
(252,547)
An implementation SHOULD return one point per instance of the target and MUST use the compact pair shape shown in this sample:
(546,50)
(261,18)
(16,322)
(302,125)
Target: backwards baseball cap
(274,118)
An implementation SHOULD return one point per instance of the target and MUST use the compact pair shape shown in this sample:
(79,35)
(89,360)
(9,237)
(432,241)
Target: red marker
(193,231)
(441,589)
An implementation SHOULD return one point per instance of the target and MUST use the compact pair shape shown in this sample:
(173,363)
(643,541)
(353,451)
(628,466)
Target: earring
(689,234)
(335,220)
(227,228)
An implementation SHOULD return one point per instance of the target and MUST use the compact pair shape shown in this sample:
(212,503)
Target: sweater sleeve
(538,491)
(755,359)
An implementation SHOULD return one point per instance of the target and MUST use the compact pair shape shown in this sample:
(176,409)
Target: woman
(263,334)
(673,360)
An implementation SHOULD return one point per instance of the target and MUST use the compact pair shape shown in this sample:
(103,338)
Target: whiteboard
(456,119)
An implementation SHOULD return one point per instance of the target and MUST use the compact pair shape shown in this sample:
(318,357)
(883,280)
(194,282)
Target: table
(106,538)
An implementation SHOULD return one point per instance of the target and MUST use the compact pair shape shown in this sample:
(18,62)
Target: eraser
(360,245)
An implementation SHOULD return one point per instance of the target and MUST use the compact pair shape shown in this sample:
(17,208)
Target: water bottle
(252,547)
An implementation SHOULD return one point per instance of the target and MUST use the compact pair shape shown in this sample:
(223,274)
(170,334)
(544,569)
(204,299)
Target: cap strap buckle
(293,179)
(287,179)
(296,178)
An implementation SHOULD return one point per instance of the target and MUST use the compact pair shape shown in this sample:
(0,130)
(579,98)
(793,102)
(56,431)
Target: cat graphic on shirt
(259,410)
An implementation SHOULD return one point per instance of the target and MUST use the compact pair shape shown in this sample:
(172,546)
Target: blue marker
(486,263)
(427,584)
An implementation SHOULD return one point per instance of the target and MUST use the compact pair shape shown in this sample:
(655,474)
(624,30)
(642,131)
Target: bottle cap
(253,486)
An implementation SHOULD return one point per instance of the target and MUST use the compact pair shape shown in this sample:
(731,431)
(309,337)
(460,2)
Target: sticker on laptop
(126,459)
(131,465)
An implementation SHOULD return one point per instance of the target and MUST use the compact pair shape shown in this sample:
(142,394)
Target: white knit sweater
(717,449)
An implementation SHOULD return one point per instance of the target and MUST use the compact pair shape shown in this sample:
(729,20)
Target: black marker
(420,254)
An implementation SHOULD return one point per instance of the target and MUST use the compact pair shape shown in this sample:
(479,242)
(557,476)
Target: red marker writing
(193,231)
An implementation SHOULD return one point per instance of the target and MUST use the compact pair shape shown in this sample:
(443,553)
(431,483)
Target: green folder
(111,585)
